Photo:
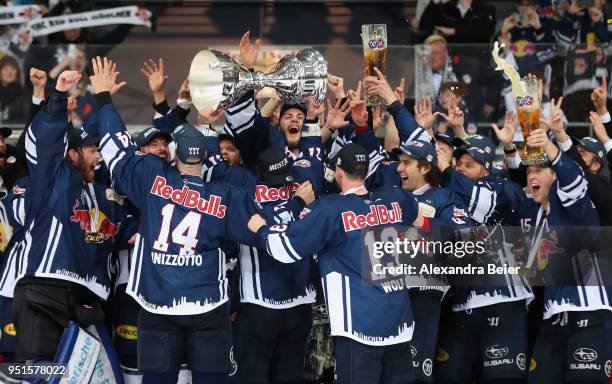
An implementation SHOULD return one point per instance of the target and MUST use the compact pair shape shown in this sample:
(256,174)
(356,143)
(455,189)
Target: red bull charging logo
(84,218)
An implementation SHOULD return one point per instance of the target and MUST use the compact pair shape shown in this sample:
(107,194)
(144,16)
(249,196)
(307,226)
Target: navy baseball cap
(446,139)
(353,159)
(418,150)
(287,106)
(79,138)
(190,144)
(478,154)
(593,145)
(478,141)
(145,136)
(274,167)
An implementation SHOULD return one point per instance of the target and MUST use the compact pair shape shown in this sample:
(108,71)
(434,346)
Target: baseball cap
(190,144)
(593,145)
(353,159)
(274,167)
(478,141)
(446,139)
(145,136)
(80,138)
(287,106)
(418,150)
(478,154)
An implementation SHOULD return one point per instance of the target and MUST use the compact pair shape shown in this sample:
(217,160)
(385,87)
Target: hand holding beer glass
(374,39)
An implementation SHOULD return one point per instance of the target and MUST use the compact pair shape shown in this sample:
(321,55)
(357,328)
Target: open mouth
(293,129)
(535,187)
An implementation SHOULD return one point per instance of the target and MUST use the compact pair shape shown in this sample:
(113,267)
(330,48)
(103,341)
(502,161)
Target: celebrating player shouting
(178,269)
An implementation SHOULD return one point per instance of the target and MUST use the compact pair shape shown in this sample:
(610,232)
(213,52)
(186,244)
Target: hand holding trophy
(374,39)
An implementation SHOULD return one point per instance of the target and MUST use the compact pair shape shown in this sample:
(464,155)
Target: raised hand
(555,121)
(336,115)
(400,90)
(506,135)
(598,128)
(599,97)
(184,91)
(336,85)
(359,113)
(208,116)
(314,109)
(248,51)
(378,120)
(379,86)
(105,75)
(67,80)
(39,80)
(423,113)
(155,74)
(305,192)
(354,95)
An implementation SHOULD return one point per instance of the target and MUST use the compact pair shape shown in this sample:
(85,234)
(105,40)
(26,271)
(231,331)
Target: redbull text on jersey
(378,215)
(265,194)
(188,198)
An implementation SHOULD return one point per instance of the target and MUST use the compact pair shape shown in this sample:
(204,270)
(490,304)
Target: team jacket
(490,201)
(60,209)
(177,265)
(569,206)
(332,227)
(12,263)
(263,280)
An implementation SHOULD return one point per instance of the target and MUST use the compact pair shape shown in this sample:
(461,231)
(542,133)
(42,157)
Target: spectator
(460,21)
(482,84)
(452,96)
(531,38)
(13,96)
(583,31)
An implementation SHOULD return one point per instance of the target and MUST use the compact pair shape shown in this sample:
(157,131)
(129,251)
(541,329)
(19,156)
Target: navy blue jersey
(332,227)
(569,206)
(263,280)
(177,266)
(62,210)
(12,263)
(492,202)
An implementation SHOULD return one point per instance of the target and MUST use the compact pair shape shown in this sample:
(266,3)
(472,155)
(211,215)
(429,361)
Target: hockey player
(66,275)
(372,326)
(489,318)
(573,345)
(178,271)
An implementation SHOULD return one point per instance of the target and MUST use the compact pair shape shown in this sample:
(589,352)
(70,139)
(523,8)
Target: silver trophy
(217,81)
(423,76)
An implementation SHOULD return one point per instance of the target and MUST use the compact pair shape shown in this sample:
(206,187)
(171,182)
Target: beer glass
(374,39)
(528,110)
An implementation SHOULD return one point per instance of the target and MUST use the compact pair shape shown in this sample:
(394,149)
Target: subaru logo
(496,351)
(585,355)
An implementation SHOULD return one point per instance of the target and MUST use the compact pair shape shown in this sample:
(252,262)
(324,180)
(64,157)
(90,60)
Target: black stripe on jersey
(344,304)
(287,248)
(136,261)
(255,272)
(246,125)
(240,108)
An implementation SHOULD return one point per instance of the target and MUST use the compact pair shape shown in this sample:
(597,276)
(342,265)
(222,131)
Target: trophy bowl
(218,81)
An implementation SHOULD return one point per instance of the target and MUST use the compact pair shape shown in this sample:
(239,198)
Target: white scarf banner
(17,14)
(120,15)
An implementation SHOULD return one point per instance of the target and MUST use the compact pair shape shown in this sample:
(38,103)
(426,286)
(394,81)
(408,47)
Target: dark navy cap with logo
(353,159)
(478,154)
(190,144)
(274,167)
(287,106)
(79,138)
(446,139)
(593,145)
(478,141)
(145,136)
(419,150)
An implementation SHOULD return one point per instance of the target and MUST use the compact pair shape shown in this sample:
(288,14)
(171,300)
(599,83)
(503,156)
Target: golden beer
(528,111)
(374,39)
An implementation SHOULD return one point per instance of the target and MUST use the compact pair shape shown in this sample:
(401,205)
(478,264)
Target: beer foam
(518,88)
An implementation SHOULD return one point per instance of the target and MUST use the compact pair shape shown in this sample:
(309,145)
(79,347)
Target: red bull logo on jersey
(379,215)
(84,217)
(265,194)
(188,198)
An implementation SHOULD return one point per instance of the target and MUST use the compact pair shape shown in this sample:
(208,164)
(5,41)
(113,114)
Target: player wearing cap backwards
(491,316)
(573,343)
(178,269)
(372,326)
(71,226)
